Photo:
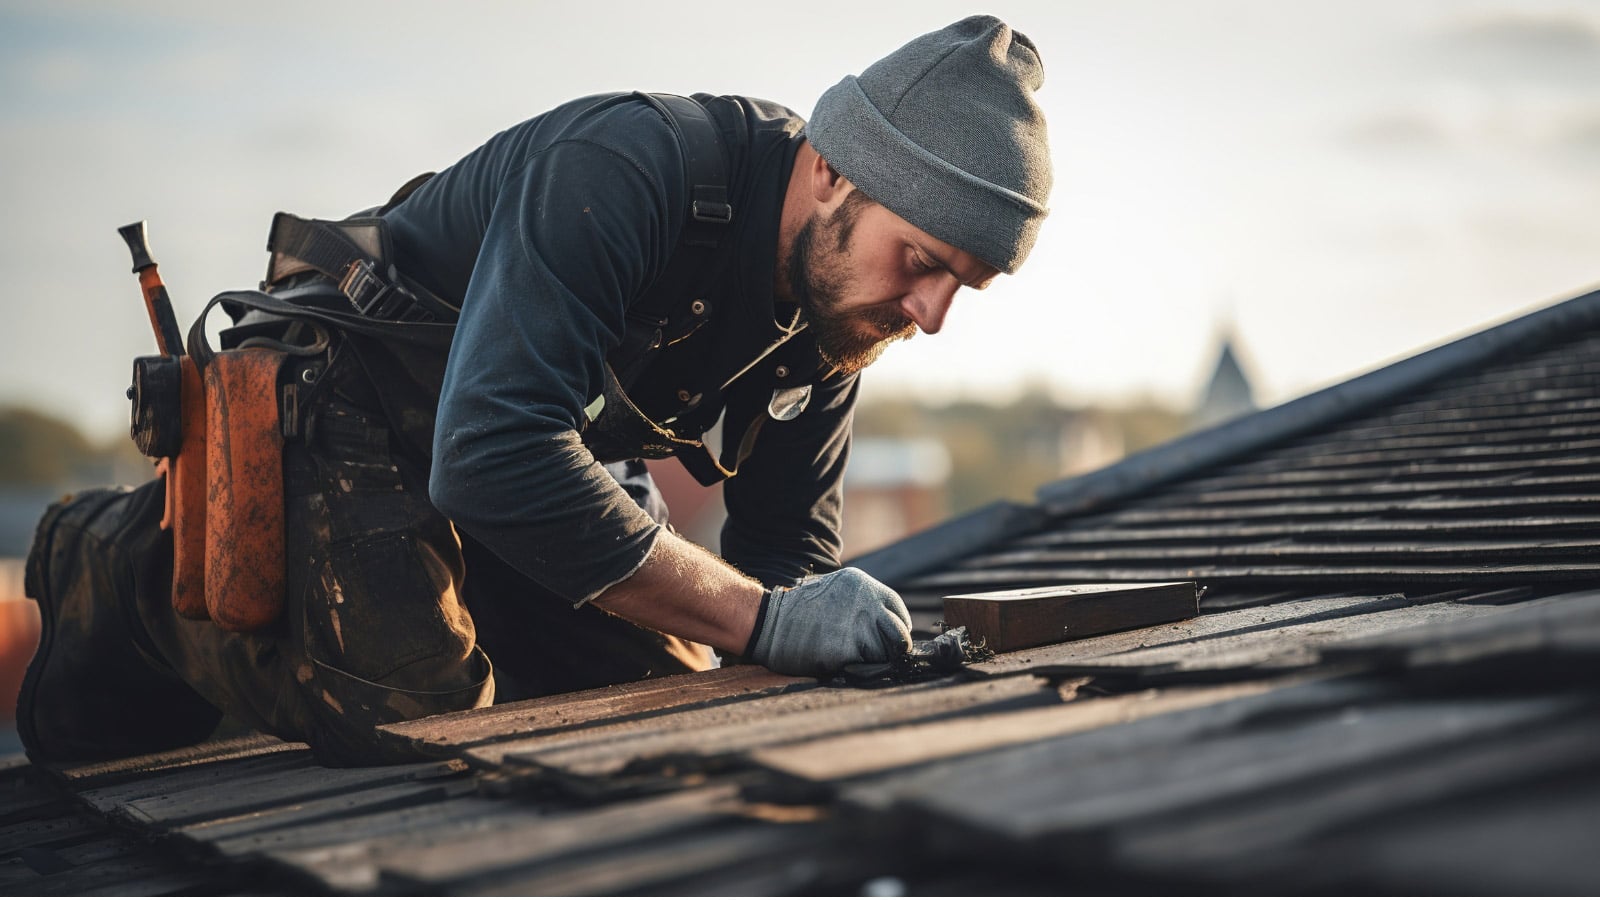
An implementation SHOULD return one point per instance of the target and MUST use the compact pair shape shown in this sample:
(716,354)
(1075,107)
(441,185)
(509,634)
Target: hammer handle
(156,302)
(162,318)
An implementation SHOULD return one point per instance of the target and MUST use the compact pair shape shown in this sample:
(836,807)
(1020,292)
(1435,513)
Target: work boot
(92,691)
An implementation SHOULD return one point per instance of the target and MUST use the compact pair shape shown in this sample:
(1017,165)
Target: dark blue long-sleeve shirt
(547,235)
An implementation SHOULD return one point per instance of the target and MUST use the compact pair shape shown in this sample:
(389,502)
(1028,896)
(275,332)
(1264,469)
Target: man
(615,301)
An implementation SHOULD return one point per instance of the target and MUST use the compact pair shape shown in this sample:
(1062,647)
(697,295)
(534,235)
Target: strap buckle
(713,211)
(377,297)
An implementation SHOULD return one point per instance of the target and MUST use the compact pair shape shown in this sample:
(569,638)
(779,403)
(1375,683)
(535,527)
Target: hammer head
(138,244)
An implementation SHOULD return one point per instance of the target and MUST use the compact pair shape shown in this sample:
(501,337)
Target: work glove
(825,623)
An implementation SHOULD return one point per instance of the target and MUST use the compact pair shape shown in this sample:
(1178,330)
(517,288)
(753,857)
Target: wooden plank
(97,774)
(1073,789)
(1193,638)
(271,790)
(615,703)
(1279,833)
(213,776)
(489,752)
(1294,642)
(1565,622)
(42,832)
(427,860)
(696,735)
(1013,620)
(855,754)
(1536,841)
(1498,571)
(679,858)
(1268,490)
(1281,550)
(138,876)
(278,827)
(1346,528)
(1412,471)
(341,853)
(355,839)
(1151,514)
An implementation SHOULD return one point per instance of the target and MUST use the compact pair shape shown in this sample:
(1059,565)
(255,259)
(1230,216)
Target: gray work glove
(825,623)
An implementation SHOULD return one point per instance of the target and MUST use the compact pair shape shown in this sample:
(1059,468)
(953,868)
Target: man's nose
(928,305)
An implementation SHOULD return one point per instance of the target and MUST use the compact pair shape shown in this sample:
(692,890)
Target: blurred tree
(40,450)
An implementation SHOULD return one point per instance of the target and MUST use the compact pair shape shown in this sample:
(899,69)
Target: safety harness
(356,253)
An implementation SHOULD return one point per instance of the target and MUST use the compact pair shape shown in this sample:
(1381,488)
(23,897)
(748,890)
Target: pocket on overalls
(381,610)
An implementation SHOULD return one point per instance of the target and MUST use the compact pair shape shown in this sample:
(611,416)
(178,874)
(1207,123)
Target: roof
(1391,688)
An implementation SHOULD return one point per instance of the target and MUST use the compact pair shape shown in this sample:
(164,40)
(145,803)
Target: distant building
(892,487)
(1228,394)
(1089,440)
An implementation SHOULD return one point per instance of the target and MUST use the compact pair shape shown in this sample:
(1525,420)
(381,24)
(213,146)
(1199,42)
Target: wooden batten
(1017,619)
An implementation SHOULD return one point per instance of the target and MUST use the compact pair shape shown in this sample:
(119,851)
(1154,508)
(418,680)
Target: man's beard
(847,340)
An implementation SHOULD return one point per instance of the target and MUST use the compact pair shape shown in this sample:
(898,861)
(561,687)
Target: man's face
(867,278)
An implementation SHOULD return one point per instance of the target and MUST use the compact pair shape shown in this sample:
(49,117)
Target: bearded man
(624,273)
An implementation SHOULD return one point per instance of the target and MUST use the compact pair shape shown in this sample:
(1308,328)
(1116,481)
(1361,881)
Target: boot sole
(36,585)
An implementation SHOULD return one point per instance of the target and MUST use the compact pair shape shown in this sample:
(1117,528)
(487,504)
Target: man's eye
(920,264)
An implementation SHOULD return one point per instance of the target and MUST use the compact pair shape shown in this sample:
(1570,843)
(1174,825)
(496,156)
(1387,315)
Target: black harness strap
(710,214)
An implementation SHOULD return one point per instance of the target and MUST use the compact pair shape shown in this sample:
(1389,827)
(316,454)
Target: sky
(1335,184)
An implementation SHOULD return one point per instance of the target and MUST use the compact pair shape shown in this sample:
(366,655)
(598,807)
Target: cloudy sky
(1342,182)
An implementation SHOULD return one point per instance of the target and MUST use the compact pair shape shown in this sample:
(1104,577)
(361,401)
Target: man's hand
(831,621)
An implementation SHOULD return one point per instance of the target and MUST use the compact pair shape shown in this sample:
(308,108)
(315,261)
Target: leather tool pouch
(223,464)
(244,562)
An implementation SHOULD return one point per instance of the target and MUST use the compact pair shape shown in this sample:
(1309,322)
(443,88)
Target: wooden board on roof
(711,734)
(1030,617)
(444,734)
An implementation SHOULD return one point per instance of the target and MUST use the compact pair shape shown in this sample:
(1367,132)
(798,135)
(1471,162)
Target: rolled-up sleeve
(785,505)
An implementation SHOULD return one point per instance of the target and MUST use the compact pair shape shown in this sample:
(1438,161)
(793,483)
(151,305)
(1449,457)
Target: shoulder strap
(710,213)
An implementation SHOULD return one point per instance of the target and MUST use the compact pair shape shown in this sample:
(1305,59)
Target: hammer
(156,301)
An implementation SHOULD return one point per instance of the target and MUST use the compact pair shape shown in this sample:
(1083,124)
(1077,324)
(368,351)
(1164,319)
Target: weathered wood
(1072,790)
(1565,622)
(172,809)
(856,754)
(1314,577)
(96,774)
(678,857)
(1536,840)
(429,859)
(1014,620)
(136,876)
(1297,643)
(1283,633)
(1279,551)
(1278,833)
(1348,530)
(215,776)
(343,853)
(46,831)
(697,736)
(615,703)
(344,814)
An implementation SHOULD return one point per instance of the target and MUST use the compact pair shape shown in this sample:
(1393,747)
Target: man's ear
(827,185)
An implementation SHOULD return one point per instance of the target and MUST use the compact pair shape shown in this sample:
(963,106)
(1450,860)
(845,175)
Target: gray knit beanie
(945,133)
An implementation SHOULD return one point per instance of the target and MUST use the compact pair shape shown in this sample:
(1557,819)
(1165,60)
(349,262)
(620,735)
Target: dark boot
(94,689)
